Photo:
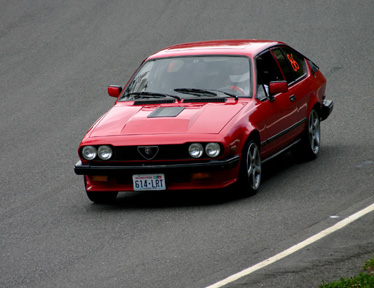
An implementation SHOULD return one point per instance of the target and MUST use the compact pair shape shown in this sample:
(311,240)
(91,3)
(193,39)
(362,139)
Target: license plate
(147,182)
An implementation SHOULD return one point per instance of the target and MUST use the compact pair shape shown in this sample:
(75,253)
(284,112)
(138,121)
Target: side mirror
(276,87)
(114,90)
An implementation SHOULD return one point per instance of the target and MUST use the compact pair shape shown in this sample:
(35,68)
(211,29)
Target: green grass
(364,280)
(369,266)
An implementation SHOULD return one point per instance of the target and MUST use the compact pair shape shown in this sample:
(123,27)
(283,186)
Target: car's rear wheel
(311,142)
(251,169)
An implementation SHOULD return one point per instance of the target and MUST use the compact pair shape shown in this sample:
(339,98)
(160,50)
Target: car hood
(206,118)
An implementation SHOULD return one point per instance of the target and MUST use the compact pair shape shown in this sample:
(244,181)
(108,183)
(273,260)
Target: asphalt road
(56,60)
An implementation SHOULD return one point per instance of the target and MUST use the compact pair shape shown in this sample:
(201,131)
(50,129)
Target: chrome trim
(272,138)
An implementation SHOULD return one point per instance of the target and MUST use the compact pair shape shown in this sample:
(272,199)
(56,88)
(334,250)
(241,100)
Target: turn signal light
(197,176)
(100,178)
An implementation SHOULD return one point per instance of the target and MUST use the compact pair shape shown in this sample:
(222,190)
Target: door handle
(292,98)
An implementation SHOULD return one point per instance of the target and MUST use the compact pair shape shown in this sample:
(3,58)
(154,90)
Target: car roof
(249,47)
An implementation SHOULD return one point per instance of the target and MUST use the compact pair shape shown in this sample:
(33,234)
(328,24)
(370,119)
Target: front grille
(165,152)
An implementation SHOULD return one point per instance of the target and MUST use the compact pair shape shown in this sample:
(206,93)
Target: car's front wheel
(251,169)
(311,142)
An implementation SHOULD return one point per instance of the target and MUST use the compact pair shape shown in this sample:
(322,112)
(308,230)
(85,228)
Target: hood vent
(166,112)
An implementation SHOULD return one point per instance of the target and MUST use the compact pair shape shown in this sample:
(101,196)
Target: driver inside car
(239,77)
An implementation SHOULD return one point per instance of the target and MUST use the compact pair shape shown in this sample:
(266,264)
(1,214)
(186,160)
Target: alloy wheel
(314,131)
(254,166)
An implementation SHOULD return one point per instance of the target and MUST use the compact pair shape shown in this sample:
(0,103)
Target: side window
(267,69)
(291,62)
(286,67)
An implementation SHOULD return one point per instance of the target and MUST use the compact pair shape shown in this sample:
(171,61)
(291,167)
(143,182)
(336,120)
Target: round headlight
(89,152)
(105,152)
(212,149)
(195,150)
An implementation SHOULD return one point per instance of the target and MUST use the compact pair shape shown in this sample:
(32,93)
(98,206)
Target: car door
(276,115)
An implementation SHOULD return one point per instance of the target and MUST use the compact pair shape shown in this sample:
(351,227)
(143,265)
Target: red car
(205,115)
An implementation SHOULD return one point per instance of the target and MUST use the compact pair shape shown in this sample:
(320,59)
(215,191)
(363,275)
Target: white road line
(294,248)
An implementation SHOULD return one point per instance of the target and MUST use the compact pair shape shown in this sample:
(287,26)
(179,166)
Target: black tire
(102,197)
(250,169)
(311,142)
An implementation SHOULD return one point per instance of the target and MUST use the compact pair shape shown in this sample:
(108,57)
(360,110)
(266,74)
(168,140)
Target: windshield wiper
(202,92)
(195,91)
(146,94)
(228,94)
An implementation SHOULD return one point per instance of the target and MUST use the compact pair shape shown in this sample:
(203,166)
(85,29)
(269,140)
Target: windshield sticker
(175,65)
(294,64)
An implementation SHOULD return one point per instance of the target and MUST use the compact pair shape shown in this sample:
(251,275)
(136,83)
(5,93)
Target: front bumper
(214,174)
(214,165)
(327,107)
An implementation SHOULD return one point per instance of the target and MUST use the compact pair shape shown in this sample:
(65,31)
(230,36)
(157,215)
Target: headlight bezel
(203,150)
(96,152)
(193,147)
(89,150)
(106,150)
(215,146)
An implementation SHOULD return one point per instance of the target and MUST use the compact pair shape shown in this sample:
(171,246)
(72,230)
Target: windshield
(192,76)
